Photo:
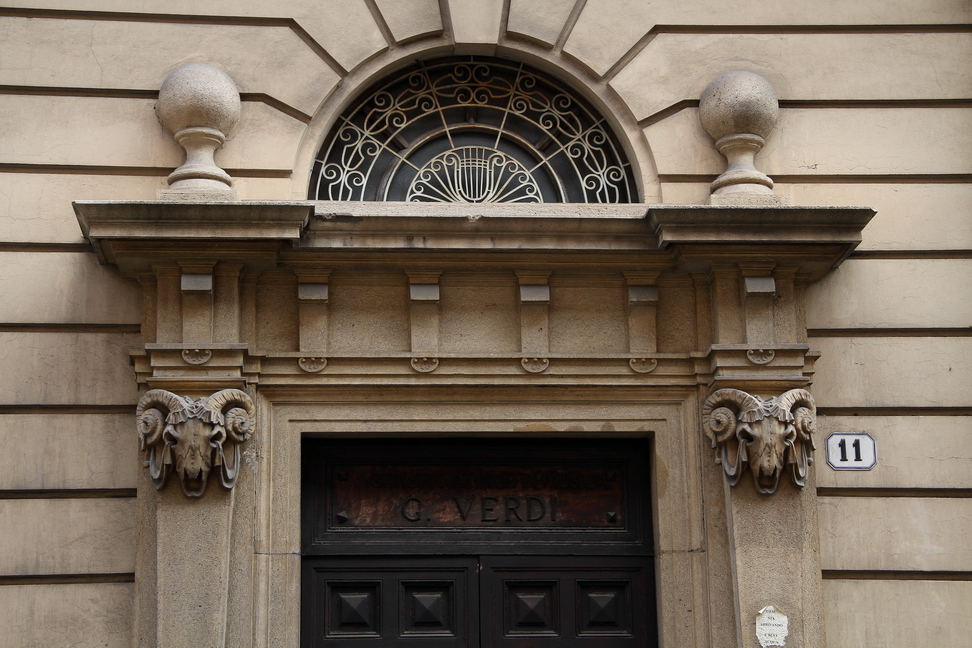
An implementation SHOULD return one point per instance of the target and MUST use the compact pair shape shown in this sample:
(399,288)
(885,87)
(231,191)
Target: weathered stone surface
(676,67)
(897,613)
(67,368)
(587,315)
(37,206)
(368,317)
(126,132)
(59,287)
(37,456)
(476,21)
(912,452)
(95,615)
(345,28)
(139,55)
(906,293)
(829,141)
(895,533)
(909,216)
(542,20)
(408,20)
(892,372)
(67,536)
(607,29)
(475,315)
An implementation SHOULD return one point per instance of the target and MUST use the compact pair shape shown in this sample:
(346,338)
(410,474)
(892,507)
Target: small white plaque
(772,627)
(851,451)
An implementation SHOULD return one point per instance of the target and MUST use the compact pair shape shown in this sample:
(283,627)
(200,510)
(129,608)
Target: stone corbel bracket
(767,435)
(194,436)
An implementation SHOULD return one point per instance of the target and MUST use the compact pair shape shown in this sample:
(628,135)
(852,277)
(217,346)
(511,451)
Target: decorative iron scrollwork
(472,129)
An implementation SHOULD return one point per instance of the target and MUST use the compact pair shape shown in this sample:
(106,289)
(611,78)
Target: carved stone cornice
(766,435)
(130,233)
(193,436)
(811,239)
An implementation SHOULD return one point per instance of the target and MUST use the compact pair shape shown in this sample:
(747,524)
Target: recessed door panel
(393,602)
(491,544)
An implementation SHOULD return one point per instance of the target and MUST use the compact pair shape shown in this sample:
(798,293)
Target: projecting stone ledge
(815,239)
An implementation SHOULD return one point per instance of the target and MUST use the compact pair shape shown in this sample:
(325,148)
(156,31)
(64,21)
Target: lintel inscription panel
(484,496)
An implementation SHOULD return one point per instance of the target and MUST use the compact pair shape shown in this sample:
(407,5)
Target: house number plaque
(479,497)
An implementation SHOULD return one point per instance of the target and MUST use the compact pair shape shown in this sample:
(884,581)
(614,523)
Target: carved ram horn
(721,416)
(188,436)
(802,412)
(770,435)
(233,412)
(718,425)
(157,412)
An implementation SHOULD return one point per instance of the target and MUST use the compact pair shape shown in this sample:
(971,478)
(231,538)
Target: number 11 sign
(851,451)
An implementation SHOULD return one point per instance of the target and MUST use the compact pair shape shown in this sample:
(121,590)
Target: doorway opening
(473,543)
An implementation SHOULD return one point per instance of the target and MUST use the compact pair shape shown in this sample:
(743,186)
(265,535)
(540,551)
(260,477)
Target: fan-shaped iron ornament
(472,130)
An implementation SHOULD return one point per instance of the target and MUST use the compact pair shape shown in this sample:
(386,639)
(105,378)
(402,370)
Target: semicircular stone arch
(472,129)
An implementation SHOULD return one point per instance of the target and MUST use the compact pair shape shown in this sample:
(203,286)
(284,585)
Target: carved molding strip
(761,356)
(643,365)
(197,356)
(425,365)
(194,436)
(535,365)
(765,435)
(312,365)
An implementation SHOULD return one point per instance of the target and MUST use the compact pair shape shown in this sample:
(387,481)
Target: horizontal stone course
(105,131)
(67,369)
(912,452)
(889,293)
(68,451)
(895,533)
(897,613)
(67,536)
(121,55)
(887,66)
(829,141)
(83,615)
(891,372)
(608,29)
(56,287)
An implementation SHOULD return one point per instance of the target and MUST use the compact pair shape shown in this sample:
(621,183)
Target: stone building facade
(231,401)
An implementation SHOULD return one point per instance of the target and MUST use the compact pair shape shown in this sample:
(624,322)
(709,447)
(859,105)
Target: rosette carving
(767,436)
(192,437)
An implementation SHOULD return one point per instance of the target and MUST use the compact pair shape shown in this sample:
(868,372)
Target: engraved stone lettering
(512,506)
(490,508)
(534,505)
(464,511)
(412,513)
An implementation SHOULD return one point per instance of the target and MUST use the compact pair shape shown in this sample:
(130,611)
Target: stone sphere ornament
(200,104)
(739,110)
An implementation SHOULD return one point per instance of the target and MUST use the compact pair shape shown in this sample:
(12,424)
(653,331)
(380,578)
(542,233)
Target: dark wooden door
(489,601)
(456,544)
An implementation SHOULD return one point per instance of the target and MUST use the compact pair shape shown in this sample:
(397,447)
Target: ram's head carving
(767,435)
(192,436)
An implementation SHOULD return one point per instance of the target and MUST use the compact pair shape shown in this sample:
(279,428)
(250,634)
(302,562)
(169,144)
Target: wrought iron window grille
(472,130)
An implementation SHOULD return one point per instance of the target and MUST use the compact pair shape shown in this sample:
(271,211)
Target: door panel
(561,602)
(493,601)
(390,602)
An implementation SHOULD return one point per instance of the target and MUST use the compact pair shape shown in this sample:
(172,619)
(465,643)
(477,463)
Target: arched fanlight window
(472,129)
